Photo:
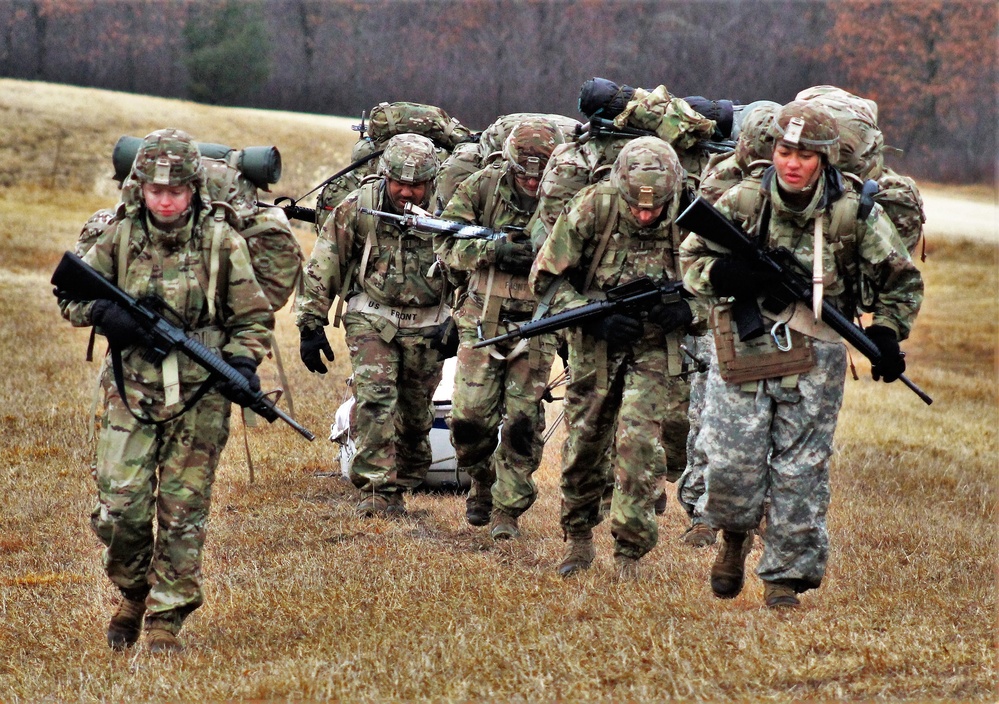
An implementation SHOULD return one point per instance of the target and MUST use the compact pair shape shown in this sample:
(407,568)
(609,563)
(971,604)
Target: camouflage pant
(132,496)
(488,392)
(626,411)
(394,385)
(777,439)
(690,485)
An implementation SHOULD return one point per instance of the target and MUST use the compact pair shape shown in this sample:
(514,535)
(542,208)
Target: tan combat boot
(503,526)
(160,639)
(728,572)
(579,554)
(699,535)
(126,624)
(373,505)
(396,503)
(777,595)
(478,504)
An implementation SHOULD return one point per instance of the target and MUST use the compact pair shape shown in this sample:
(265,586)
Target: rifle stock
(704,219)
(636,296)
(75,280)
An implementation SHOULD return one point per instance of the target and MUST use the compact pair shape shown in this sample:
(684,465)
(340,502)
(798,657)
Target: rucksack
(862,150)
(389,119)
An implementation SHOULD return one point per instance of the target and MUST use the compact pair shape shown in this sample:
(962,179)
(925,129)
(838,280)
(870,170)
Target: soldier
(624,370)
(395,319)
(156,459)
(753,151)
(580,163)
(504,383)
(770,428)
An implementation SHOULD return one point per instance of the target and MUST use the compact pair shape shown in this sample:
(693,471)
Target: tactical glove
(721,111)
(616,328)
(247,367)
(599,95)
(117,324)
(670,316)
(444,338)
(314,342)
(730,276)
(892,363)
(514,257)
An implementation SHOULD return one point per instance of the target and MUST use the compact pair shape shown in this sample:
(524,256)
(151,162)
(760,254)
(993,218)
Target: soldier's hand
(514,257)
(444,338)
(892,363)
(670,316)
(118,325)
(247,368)
(731,276)
(617,328)
(314,342)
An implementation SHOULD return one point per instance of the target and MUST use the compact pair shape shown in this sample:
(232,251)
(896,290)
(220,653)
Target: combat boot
(627,568)
(503,526)
(728,571)
(396,503)
(160,640)
(126,624)
(778,595)
(579,553)
(478,504)
(373,505)
(699,535)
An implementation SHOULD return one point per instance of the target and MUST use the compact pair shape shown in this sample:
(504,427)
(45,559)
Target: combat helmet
(755,140)
(409,158)
(647,173)
(805,125)
(168,157)
(530,144)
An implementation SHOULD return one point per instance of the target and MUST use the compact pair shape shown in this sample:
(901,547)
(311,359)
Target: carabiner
(775,333)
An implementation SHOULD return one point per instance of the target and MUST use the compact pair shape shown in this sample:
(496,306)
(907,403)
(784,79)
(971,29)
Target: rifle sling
(119,380)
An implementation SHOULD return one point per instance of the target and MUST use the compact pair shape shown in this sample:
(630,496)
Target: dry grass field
(304,601)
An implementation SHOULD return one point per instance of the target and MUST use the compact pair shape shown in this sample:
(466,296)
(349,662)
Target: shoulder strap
(606,218)
(490,184)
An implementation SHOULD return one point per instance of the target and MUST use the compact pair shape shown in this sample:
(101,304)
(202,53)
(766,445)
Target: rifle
(633,297)
(793,284)
(75,280)
(455,230)
(602,127)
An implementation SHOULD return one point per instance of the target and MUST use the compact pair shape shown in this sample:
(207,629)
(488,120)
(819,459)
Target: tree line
(930,64)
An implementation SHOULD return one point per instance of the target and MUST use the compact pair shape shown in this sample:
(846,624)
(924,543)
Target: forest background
(930,64)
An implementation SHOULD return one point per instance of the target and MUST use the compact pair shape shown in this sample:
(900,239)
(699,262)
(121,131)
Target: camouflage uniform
(393,308)
(617,392)
(777,432)
(494,385)
(334,192)
(163,473)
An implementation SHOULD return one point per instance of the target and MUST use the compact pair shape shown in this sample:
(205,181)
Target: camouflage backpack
(862,148)
(389,119)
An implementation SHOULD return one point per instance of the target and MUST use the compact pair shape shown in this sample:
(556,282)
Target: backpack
(862,148)
(389,119)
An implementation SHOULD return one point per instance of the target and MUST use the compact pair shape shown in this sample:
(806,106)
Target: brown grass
(307,602)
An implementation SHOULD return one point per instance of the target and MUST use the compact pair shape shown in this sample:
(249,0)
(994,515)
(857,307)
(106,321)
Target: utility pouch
(781,352)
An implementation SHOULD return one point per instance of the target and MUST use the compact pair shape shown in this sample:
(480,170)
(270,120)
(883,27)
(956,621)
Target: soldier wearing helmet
(160,440)
(501,385)
(776,397)
(625,368)
(394,321)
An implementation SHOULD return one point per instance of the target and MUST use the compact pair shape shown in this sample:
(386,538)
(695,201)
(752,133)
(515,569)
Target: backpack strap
(606,219)
(368,225)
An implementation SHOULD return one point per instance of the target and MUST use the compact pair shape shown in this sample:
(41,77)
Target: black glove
(247,367)
(598,95)
(721,111)
(117,324)
(616,328)
(892,363)
(514,257)
(670,316)
(730,276)
(444,338)
(314,342)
